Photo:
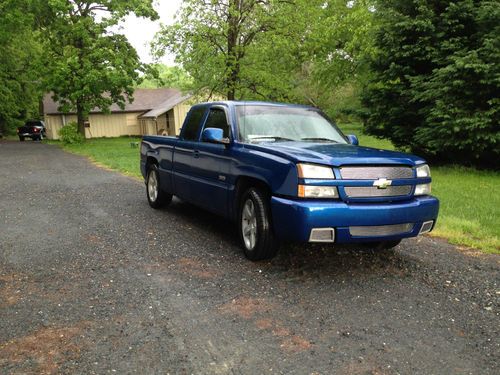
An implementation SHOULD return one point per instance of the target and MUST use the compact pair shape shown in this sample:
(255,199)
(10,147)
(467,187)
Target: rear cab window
(193,124)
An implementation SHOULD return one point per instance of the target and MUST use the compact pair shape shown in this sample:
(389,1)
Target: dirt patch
(90,238)
(264,324)
(45,349)
(363,366)
(246,307)
(13,287)
(295,344)
(9,290)
(281,332)
(196,268)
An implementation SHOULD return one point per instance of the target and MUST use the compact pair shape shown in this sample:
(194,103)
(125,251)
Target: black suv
(34,129)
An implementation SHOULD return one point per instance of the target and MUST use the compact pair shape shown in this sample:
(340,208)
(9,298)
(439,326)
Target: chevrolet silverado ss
(287,173)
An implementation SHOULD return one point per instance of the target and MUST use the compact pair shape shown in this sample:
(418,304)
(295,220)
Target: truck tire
(157,198)
(255,226)
(21,139)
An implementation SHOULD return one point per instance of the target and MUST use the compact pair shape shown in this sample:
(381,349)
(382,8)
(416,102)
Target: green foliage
(19,64)
(211,41)
(159,75)
(270,49)
(88,65)
(436,79)
(69,134)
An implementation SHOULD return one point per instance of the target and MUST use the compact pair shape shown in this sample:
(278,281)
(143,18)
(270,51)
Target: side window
(192,124)
(217,119)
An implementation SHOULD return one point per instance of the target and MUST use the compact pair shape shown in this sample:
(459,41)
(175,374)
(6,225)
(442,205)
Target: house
(153,111)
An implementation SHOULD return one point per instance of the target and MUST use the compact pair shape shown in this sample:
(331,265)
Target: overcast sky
(140,31)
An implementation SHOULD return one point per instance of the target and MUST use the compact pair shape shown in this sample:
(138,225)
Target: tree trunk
(80,115)
(232,63)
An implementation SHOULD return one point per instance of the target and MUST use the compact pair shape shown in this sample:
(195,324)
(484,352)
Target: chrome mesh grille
(374,173)
(372,191)
(381,230)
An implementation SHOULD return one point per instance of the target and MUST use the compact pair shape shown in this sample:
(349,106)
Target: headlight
(309,191)
(423,171)
(315,171)
(423,189)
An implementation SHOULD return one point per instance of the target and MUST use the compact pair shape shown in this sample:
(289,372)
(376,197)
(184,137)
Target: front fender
(278,173)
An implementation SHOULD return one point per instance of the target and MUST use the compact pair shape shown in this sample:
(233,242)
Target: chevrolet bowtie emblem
(382,183)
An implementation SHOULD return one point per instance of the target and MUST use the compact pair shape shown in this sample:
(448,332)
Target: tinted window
(192,124)
(217,119)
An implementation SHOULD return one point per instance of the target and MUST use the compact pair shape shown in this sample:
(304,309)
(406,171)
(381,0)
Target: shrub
(69,134)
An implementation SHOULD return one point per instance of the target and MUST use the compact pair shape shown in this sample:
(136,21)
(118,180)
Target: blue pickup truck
(287,173)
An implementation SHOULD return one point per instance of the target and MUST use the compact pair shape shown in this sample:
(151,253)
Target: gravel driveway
(94,281)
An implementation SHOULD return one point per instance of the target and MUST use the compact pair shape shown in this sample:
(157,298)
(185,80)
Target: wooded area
(423,73)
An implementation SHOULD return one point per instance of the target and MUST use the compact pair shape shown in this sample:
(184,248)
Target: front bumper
(294,220)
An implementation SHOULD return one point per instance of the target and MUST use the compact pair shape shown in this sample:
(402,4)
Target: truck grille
(381,230)
(374,173)
(372,191)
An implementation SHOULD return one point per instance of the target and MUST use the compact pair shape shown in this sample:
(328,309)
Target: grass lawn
(470,199)
(113,153)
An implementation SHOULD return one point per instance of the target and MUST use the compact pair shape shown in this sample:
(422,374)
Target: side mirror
(214,135)
(353,140)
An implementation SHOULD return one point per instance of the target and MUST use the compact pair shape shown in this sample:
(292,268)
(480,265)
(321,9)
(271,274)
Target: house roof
(165,106)
(145,100)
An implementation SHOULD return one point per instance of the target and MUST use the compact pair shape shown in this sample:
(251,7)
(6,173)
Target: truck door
(184,154)
(211,166)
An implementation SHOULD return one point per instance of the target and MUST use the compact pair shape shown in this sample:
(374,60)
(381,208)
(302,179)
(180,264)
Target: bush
(69,134)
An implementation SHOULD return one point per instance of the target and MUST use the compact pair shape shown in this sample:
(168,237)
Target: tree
(216,42)
(89,65)
(160,75)
(338,44)
(306,51)
(436,78)
(20,87)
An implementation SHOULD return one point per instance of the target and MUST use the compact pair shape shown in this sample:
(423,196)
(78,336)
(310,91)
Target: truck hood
(335,154)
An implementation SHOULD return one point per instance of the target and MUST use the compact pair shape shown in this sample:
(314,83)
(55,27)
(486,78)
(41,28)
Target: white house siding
(101,125)
(124,123)
(179,113)
(55,122)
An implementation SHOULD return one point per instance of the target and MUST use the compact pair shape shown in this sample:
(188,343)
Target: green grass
(366,140)
(470,199)
(113,153)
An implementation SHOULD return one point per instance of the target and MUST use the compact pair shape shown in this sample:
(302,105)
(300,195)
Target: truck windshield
(264,123)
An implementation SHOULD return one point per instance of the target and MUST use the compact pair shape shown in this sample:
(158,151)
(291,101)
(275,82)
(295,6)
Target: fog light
(423,189)
(322,235)
(426,227)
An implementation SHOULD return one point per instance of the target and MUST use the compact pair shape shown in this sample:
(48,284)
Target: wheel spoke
(249,224)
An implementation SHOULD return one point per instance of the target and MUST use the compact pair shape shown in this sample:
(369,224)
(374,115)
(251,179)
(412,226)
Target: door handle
(196,154)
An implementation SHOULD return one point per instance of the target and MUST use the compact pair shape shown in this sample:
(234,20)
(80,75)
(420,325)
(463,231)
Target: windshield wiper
(276,138)
(319,139)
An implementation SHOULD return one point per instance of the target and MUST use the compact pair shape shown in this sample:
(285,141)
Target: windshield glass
(264,123)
